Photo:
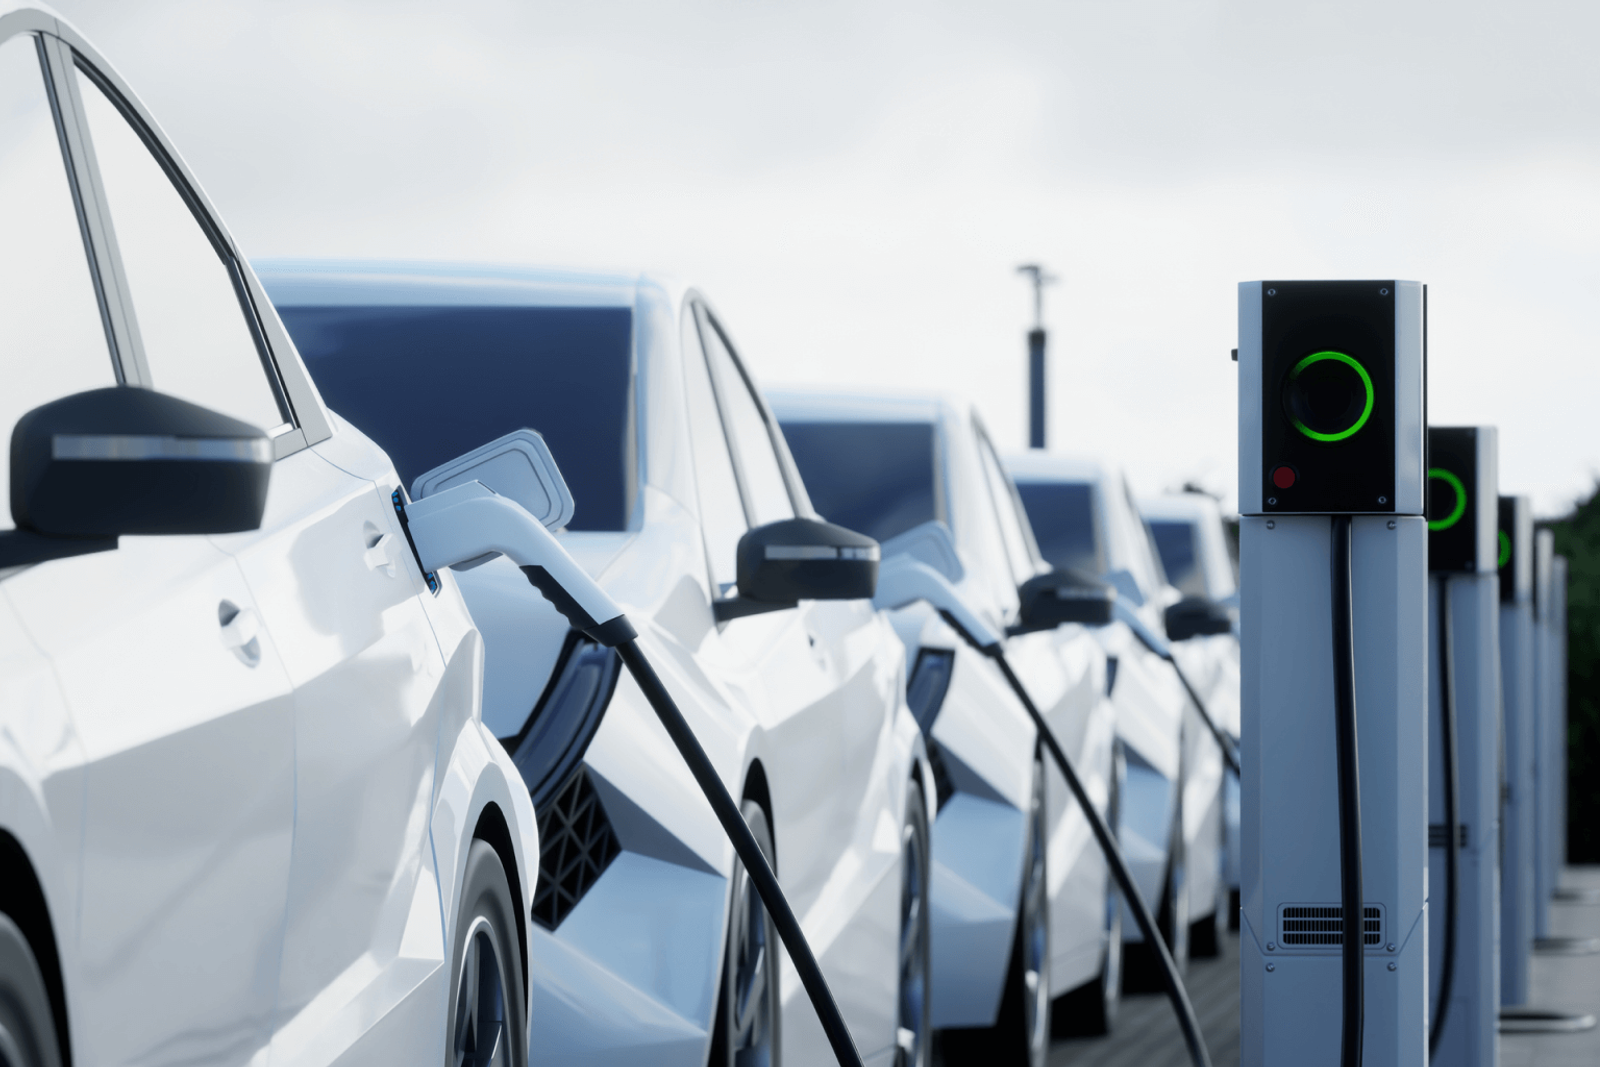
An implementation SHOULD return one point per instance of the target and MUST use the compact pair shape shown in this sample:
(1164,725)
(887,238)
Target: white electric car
(1195,553)
(1022,905)
(1085,519)
(248,810)
(648,942)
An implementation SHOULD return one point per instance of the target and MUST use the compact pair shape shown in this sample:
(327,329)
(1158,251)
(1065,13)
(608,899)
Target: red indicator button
(1283,477)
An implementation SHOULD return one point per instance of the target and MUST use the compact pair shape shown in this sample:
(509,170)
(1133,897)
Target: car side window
(198,344)
(722,517)
(52,338)
(766,493)
(1018,543)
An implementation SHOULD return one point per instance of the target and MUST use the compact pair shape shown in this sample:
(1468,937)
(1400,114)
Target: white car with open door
(248,810)
(648,941)
(1023,908)
(1171,829)
(1199,561)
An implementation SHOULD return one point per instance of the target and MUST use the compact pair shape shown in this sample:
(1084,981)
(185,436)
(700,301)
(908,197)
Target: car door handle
(380,555)
(240,629)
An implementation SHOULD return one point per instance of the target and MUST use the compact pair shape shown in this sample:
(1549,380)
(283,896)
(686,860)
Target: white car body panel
(812,697)
(1161,731)
(986,741)
(245,769)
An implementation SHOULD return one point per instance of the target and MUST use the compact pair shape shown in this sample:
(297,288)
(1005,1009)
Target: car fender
(478,774)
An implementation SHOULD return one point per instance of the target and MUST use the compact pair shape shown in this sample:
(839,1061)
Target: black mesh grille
(576,845)
(1323,925)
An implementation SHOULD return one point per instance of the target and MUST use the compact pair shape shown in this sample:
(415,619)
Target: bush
(1578,538)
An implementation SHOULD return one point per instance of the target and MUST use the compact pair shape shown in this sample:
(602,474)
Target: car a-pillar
(1333,556)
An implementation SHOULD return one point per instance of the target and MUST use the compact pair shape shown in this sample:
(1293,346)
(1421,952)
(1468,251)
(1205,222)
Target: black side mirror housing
(1196,616)
(91,466)
(1064,595)
(785,562)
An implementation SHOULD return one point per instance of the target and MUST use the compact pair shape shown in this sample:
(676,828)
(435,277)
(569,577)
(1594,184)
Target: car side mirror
(1196,616)
(122,460)
(1064,595)
(785,562)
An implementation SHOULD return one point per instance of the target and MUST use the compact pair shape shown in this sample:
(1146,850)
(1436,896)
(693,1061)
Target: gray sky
(853,184)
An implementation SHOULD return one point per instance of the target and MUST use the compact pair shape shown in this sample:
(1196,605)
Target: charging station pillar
(1463,522)
(1545,739)
(1517,711)
(1558,683)
(1331,424)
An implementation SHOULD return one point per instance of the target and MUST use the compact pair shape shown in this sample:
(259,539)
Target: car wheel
(912,1036)
(1208,933)
(487,1024)
(745,1028)
(27,1030)
(1021,1034)
(1091,1009)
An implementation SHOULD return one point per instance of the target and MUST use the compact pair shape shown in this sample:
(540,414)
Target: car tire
(1020,1036)
(487,1006)
(913,1031)
(745,1029)
(1142,968)
(27,1028)
(1091,1009)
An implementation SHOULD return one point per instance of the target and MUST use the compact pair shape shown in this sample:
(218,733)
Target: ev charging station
(1333,558)
(1548,725)
(1517,710)
(1463,746)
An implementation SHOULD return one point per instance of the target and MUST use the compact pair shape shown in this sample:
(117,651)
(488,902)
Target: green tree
(1578,539)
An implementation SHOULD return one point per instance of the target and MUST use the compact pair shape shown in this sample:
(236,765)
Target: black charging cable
(1230,755)
(744,843)
(1452,814)
(1353,1025)
(1187,1021)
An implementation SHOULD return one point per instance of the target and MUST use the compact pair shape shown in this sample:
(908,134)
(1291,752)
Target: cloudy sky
(853,184)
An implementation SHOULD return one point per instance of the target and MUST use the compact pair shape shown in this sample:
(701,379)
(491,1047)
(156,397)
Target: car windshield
(431,383)
(1062,516)
(1175,541)
(876,478)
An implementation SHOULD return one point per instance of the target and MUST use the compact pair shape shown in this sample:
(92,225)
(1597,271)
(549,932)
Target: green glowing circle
(1505,549)
(1366,382)
(1461,499)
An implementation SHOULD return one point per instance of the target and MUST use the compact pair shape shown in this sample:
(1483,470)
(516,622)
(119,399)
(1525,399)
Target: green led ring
(1461,499)
(1505,549)
(1366,381)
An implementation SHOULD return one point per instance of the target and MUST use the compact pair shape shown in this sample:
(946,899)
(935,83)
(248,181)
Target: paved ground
(1146,1035)
(1569,983)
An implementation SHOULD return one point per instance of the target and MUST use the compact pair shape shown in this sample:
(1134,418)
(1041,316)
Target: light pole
(1040,278)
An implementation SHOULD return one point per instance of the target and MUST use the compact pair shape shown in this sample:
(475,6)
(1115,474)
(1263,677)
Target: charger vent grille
(1322,925)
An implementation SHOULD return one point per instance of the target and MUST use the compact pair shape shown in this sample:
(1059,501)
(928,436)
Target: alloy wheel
(480,1012)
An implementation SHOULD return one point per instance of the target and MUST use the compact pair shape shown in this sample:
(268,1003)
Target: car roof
(1041,466)
(1188,507)
(377,283)
(857,405)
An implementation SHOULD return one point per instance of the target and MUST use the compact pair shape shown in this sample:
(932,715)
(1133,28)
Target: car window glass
(765,490)
(52,339)
(721,508)
(1018,551)
(1175,540)
(876,478)
(1063,518)
(197,342)
(566,372)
